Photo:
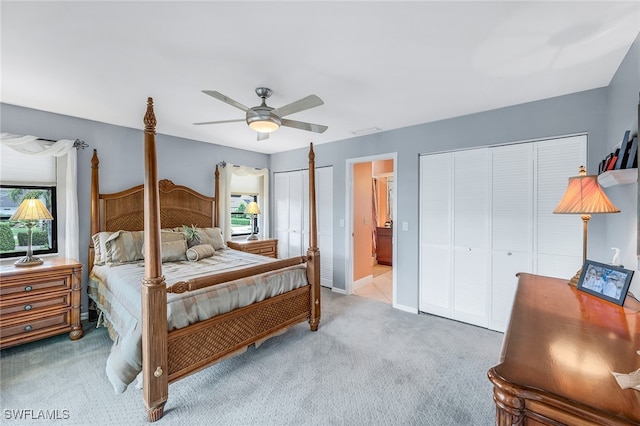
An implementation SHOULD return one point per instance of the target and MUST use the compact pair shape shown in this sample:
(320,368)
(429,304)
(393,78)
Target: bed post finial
(150,118)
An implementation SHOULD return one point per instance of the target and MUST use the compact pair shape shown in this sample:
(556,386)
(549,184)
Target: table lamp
(253,210)
(30,211)
(585,197)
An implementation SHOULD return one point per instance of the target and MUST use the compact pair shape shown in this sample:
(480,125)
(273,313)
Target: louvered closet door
(471,205)
(558,236)
(511,226)
(435,234)
(324,218)
(288,210)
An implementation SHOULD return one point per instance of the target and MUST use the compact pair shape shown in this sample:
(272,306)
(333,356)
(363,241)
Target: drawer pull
(27,307)
(27,328)
(28,288)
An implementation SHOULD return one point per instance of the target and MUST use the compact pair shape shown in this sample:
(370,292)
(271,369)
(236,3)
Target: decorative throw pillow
(166,236)
(99,249)
(173,251)
(200,251)
(124,247)
(212,236)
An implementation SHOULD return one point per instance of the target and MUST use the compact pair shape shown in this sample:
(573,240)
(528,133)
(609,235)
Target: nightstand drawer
(34,304)
(262,247)
(35,285)
(263,250)
(35,325)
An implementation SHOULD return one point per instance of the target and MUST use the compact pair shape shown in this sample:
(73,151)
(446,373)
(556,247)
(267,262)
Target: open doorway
(371,207)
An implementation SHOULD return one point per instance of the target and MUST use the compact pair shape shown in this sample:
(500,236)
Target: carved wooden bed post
(95,205)
(313,264)
(216,214)
(154,293)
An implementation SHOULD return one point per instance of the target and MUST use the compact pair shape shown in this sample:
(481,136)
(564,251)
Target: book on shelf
(620,162)
(612,161)
(632,158)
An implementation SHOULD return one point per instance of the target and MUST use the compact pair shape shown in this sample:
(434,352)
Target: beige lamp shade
(32,209)
(252,208)
(585,196)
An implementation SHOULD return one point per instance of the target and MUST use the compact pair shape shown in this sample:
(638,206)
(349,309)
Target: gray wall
(622,103)
(120,151)
(603,114)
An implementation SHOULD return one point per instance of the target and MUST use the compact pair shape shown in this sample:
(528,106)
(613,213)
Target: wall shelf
(618,177)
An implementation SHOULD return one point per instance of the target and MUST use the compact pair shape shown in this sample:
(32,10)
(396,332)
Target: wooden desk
(558,354)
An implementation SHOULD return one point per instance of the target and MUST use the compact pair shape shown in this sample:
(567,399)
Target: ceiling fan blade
(263,136)
(310,101)
(318,128)
(226,99)
(220,122)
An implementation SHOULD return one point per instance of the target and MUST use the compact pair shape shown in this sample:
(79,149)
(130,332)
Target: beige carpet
(368,364)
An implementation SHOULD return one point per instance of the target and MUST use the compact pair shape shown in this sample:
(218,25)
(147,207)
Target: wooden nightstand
(267,248)
(40,301)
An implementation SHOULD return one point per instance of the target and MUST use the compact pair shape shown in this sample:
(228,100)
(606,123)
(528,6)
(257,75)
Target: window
(14,234)
(241,223)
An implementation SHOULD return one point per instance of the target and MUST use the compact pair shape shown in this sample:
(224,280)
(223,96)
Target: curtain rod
(77,144)
(224,164)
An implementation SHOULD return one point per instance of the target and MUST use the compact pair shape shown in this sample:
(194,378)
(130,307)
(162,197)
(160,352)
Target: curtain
(227,171)
(374,214)
(64,151)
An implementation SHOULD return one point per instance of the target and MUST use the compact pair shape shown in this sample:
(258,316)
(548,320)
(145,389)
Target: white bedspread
(116,291)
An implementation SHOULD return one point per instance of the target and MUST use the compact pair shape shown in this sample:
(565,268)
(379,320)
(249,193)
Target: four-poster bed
(283,292)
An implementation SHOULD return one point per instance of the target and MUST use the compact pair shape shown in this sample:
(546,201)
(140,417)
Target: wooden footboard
(170,356)
(210,341)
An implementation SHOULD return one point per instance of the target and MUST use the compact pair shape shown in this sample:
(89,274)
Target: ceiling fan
(265,119)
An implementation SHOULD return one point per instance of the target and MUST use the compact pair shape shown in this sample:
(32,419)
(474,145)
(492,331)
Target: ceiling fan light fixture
(264,125)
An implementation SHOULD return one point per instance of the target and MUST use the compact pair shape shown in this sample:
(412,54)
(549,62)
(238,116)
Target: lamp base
(252,237)
(576,278)
(29,261)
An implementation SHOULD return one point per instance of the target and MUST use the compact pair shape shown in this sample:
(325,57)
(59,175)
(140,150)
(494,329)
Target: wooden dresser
(558,354)
(384,246)
(267,248)
(40,301)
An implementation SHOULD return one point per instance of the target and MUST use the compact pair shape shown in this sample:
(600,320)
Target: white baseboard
(338,290)
(362,282)
(404,308)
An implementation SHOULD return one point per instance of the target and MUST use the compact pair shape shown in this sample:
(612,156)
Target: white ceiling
(375,64)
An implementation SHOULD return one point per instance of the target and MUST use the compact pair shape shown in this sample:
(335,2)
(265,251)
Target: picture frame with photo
(605,281)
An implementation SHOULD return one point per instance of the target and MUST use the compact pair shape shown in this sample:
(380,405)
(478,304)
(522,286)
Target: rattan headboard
(179,205)
(124,210)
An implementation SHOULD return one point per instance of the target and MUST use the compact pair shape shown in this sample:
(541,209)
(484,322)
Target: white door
(291,195)
(435,234)
(324,219)
(511,226)
(288,213)
(558,236)
(471,203)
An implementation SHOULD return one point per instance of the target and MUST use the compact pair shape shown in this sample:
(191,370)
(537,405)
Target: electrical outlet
(405,226)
